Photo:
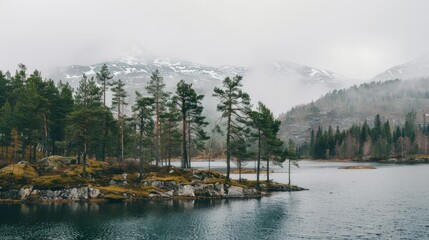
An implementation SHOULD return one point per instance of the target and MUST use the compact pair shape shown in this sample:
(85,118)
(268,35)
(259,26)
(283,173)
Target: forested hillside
(392,100)
(39,118)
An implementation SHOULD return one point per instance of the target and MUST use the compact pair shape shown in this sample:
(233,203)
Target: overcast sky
(357,39)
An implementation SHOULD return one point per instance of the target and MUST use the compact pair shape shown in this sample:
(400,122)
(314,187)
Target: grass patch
(177,179)
(55,182)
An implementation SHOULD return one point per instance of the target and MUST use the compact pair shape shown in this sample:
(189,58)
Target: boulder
(21,169)
(93,192)
(186,191)
(220,188)
(168,185)
(54,162)
(25,192)
(169,193)
(235,192)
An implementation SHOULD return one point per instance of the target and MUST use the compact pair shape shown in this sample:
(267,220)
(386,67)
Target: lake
(390,202)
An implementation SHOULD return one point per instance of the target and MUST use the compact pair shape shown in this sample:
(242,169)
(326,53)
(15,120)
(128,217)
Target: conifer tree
(170,133)
(5,128)
(269,146)
(189,104)
(234,105)
(156,89)
(118,105)
(143,109)
(104,78)
(85,117)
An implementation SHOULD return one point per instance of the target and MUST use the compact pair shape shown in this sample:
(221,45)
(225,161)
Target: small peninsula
(60,179)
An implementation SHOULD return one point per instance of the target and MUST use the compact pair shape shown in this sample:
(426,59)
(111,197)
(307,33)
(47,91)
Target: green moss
(118,177)
(21,169)
(56,182)
(177,179)
(112,197)
(119,190)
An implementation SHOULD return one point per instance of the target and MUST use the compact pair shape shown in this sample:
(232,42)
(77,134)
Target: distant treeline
(361,142)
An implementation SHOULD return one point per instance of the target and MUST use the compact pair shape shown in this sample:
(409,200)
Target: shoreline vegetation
(59,179)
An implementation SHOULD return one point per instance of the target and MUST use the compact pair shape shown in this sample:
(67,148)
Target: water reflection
(389,202)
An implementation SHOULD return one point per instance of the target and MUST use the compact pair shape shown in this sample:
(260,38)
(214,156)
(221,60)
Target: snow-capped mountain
(274,84)
(416,68)
(136,71)
(292,71)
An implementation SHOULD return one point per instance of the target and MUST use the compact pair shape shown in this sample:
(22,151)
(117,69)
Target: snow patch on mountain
(272,83)
(416,68)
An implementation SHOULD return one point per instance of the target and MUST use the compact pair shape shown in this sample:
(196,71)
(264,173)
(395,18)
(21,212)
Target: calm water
(390,202)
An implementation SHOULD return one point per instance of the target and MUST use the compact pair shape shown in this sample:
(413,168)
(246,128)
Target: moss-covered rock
(21,169)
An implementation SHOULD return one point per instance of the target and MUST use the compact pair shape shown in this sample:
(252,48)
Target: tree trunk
(157,128)
(268,162)
(184,148)
(141,152)
(45,141)
(84,160)
(268,170)
(258,165)
(289,174)
(79,157)
(34,152)
(103,152)
(189,144)
(169,147)
(122,140)
(239,170)
(228,147)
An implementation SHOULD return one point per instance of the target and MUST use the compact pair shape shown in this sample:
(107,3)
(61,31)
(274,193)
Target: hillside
(391,99)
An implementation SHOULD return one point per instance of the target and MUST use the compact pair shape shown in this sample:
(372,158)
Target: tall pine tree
(234,105)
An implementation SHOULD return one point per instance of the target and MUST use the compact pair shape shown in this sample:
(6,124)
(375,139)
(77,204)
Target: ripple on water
(383,204)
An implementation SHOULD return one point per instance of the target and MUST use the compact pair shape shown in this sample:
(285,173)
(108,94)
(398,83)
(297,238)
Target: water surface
(390,202)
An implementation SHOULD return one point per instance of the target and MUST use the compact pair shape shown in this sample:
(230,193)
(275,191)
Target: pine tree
(156,88)
(240,154)
(104,78)
(269,146)
(4,88)
(143,109)
(31,109)
(170,133)
(189,104)
(63,107)
(197,136)
(234,104)
(118,105)
(85,117)
(5,128)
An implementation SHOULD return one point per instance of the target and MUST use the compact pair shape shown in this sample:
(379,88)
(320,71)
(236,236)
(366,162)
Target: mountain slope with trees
(392,100)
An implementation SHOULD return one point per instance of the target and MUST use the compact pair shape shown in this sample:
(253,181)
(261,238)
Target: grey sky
(357,39)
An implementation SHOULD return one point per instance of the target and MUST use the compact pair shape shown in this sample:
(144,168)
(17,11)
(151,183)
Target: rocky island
(60,179)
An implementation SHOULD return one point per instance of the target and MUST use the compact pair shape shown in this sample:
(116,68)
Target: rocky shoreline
(161,190)
(58,179)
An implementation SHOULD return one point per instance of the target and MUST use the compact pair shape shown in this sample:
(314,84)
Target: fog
(357,39)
